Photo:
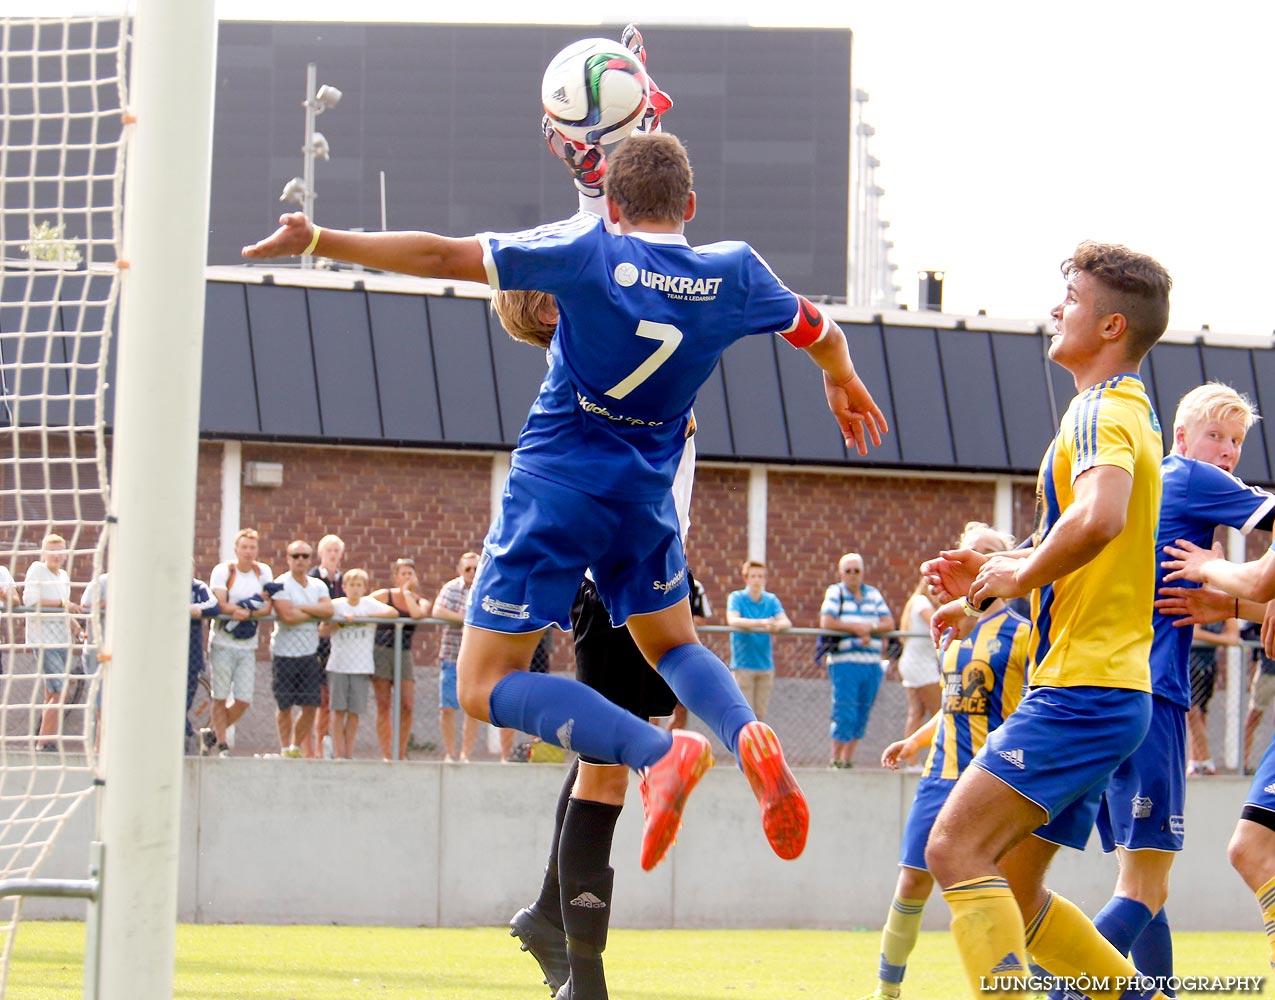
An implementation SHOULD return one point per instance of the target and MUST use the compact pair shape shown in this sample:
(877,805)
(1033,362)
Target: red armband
(808,325)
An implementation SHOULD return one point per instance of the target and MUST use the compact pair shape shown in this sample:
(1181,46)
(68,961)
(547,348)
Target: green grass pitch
(220,962)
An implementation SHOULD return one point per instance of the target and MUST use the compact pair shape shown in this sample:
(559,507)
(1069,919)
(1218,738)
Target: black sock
(584,855)
(549,903)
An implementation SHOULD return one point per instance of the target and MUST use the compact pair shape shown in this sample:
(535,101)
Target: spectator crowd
(332,661)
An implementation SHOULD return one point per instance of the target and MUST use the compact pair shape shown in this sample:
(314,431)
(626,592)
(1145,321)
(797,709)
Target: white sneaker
(328,751)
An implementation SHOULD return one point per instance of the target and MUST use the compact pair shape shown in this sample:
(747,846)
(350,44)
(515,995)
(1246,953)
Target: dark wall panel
(1175,368)
(451,114)
(920,409)
(1235,368)
(868,355)
(1030,423)
(344,370)
(228,399)
(813,433)
(973,400)
(466,386)
(1264,366)
(520,369)
(279,325)
(404,367)
(712,420)
(752,386)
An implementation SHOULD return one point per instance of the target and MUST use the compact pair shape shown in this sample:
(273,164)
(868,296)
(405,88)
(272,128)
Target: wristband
(969,608)
(314,242)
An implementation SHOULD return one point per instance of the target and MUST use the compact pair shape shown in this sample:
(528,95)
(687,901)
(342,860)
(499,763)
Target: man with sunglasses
(301,601)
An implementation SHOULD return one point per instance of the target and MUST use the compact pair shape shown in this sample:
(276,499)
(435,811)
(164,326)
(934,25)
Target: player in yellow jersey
(1091,575)
(982,683)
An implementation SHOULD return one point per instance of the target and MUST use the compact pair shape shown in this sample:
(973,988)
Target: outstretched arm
(426,255)
(1254,580)
(848,398)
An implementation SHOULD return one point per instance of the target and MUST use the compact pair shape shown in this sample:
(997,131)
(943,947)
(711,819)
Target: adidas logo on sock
(1011,962)
(564,734)
(1015,757)
(589,901)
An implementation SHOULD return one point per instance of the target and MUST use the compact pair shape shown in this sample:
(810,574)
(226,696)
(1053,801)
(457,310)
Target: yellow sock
(989,933)
(1266,901)
(898,938)
(1065,941)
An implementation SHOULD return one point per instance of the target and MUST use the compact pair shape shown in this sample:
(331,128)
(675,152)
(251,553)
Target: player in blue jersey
(644,318)
(1091,575)
(983,681)
(1141,817)
(1250,593)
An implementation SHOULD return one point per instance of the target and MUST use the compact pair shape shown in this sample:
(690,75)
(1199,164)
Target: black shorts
(1203,677)
(608,661)
(297,681)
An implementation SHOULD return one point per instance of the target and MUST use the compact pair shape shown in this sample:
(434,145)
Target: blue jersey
(1197,498)
(643,320)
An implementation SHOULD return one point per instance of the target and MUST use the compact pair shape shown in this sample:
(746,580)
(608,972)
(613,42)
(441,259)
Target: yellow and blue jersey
(1093,626)
(982,684)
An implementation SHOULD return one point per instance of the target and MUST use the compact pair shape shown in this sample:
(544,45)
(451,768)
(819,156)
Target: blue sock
(1152,951)
(568,714)
(1121,921)
(704,685)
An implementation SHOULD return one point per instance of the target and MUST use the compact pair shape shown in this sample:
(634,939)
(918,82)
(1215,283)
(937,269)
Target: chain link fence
(286,663)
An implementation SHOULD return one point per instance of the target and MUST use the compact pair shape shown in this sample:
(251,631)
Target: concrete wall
(281,841)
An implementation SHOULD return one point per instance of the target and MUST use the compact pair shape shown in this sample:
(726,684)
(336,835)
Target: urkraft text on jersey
(681,287)
(599,410)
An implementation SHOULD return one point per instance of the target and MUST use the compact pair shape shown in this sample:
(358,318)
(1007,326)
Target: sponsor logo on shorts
(503,609)
(589,901)
(666,585)
(564,735)
(1015,757)
(1141,806)
(1177,826)
(626,274)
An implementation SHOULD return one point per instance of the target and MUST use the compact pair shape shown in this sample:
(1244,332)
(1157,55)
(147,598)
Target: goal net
(61,183)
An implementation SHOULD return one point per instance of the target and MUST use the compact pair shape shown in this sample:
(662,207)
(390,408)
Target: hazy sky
(1009,131)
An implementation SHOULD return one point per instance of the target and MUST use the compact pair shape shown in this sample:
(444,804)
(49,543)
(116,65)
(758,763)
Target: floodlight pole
(155,442)
(307,150)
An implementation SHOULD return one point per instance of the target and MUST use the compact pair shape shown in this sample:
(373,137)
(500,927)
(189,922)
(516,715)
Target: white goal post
(104,194)
(152,506)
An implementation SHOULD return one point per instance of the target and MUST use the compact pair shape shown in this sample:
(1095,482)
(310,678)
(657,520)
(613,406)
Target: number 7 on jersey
(668,336)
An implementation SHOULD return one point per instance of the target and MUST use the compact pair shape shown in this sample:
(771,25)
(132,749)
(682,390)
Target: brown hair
(751,564)
(649,178)
(1135,286)
(522,312)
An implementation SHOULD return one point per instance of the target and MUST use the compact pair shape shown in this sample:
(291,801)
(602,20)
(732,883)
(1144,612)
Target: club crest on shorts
(1141,806)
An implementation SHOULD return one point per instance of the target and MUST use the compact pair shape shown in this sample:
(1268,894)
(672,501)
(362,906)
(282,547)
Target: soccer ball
(595,91)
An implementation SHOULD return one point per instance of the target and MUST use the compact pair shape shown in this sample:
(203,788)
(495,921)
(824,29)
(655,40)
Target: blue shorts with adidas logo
(1143,806)
(544,538)
(1261,794)
(1060,748)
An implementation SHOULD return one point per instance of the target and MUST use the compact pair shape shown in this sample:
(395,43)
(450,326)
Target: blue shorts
(1261,794)
(1060,748)
(854,689)
(52,668)
(544,538)
(447,685)
(1143,806)
(931,793)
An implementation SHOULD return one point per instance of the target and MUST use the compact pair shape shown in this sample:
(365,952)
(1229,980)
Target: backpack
(826,644)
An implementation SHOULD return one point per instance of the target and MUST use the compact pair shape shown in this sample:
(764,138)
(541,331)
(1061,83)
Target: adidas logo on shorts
(1015,757)
(589,901)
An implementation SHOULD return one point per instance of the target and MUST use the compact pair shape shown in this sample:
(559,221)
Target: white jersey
(352,644)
